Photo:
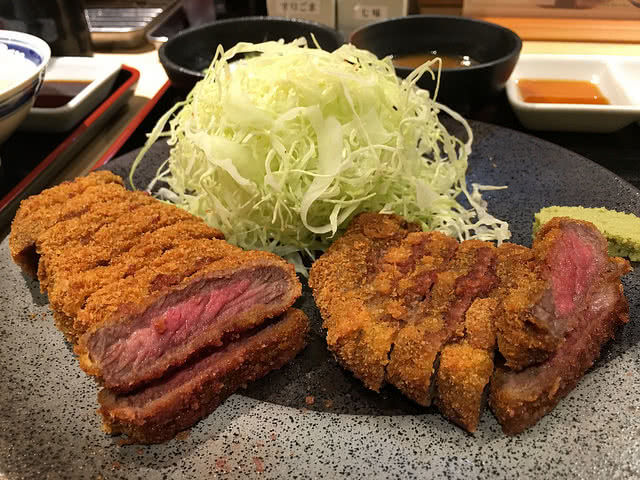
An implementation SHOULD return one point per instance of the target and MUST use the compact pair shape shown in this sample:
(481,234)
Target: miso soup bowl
(495,49)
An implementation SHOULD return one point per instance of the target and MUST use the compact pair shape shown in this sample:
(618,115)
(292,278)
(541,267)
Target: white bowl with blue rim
(18,87)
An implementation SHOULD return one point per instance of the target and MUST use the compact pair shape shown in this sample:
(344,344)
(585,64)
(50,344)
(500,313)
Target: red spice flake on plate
(221,465)
(259,464)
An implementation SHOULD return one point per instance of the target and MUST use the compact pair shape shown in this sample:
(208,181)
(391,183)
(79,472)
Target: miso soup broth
(414,60)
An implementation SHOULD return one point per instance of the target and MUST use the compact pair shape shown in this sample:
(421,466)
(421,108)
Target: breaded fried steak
(156,413)
(426,314)
(141,288)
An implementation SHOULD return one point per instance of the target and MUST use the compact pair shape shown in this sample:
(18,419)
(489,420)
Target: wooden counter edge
(571,29)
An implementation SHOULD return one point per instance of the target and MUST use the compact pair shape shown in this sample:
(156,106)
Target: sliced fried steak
(586,306)
(154,320)
(407,308)
(158,412)
(391,297)
(141,287)
(467,276)
(360,321)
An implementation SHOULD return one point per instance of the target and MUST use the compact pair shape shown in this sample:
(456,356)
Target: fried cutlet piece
(153,297)
(466,366)
(189,298)
(587,306)
(38,213)
(521,287)
(346,287)
(157,413)
(104,207)
(72,289)
(470,274)
(548,287)
(391,297)
(109,242)
(520,399)
(442,311)
(79,231)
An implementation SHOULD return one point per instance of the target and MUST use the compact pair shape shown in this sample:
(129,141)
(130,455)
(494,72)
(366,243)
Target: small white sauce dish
(101,75)
(19,86)
(617,78)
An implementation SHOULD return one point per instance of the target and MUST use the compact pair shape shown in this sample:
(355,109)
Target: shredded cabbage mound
(281,150)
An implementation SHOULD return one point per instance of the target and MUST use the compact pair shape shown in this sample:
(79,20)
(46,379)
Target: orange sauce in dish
(561,91)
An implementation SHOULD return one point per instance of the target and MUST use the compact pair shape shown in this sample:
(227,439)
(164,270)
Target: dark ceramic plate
(312,419)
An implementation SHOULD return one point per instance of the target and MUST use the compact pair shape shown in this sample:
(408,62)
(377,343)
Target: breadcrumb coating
(466,366)
(109,242)
(385,291)
(39,212)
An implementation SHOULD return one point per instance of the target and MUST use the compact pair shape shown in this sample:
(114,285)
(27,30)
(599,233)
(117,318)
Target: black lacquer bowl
(495,48)
(186,56)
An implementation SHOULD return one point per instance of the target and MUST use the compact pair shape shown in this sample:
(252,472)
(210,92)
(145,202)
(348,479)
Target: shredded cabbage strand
(282,150)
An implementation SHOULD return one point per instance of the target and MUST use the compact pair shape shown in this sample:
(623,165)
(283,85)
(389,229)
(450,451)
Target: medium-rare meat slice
(552,281)
(470,274)
(158,412)
(71,289)
(587,305)
(39,212)
(139,327)
(466,365)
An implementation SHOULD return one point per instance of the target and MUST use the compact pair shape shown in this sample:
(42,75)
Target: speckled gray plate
(313,420)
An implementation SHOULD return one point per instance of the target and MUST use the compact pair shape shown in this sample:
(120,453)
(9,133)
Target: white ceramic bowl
(16,101)
(617,77)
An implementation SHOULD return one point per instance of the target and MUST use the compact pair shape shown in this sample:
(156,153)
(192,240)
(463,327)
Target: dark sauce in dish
(414,60)
(57,93)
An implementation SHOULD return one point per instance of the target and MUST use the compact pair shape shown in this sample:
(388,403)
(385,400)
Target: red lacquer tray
(31,159)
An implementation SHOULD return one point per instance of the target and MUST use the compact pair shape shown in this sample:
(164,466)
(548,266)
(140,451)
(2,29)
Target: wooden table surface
(152,77)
